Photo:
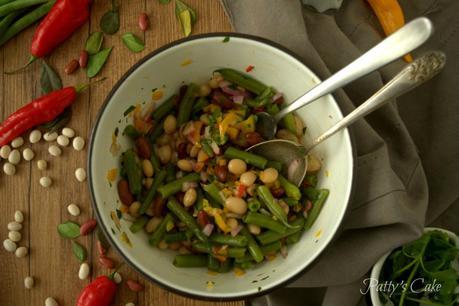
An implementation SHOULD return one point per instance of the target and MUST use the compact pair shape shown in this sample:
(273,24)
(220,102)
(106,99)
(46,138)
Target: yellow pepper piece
(229,119)
(185,20)
(216,214)
(248,125)
(221,223)
(233,133)
(211,108)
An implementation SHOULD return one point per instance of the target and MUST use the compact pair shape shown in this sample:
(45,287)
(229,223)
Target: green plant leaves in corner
(186,15)
(97,61)
(69,230)
(49,79)
(94,42)
(79,251)
(133,43)
(110,21)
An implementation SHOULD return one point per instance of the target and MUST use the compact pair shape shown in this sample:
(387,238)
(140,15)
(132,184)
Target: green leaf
(133,43)
(49,79)
(79,251)
(164,1)
(69,230)
(110,21)
(94,42)
(97,61)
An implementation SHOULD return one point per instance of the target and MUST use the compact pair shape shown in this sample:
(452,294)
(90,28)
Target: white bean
(54,150)
(9,169)
(18,216)
(15,236)
(117,278)
(134,208)
(152,224)
(17,142)
(269,175)
(50,136)
(78,143)
(42,164)
(35,136)
(190,197)
(236,205)
(68,132)
(63,141)
(14,226)
(130,304)
(14,157)
(185,165)
(28,154)
(29,282)
(21,252)
(51,302)
(237,166)
(164,154)
(147,168)
(314,164)
(45,181)
(80,174)
(170,124)
(83,272)
(73,209)
(248,178)
(254,229)
(9,245)
(5,151)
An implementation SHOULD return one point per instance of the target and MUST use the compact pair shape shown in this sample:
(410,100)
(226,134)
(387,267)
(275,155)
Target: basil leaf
(79,251)
(94,42)
(133,43)
(49,79)
(110,22)
(69,230)
(164,1)
(97,61)
(59,122)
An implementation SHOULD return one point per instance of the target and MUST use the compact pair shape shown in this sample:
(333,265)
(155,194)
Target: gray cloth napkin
(407,171)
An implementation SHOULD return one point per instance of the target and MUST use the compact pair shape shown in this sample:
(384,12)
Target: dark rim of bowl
(89,166)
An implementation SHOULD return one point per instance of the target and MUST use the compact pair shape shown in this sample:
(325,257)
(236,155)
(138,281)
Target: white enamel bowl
(193,60)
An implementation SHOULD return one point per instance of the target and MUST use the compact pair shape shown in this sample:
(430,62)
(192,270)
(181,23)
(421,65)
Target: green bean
(242,80)
(131,132)
(214,192)
(289,123)
(245,265)
(199,105)
(268,199)
(290,201)
(212,263)
(5,23)
(186,218)
(292,239)
(3,2)
(250,158)
(237,241)
(271,248)
(157,181)
(170,173)
(274,164)
(157,131)
(265,222)
(226,266)
(186,104)
(133,171)
(190,261)
(253,204)
(270,236)
(291,190)
(246,258)
(252,245)
(17,5)
(138,224)
(207,148)
(174,237)
(206,247)
(26,21)
(199,199)
(173,187)
(155,161)
(311,180)
(317,205)
(164,109)
(236,252)
(160,231)
(311,193)
(272,109)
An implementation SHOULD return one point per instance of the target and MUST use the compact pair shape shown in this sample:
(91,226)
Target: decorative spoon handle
(413,75)
(405,40)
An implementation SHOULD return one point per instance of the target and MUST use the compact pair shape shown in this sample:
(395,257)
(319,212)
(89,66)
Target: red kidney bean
(100,248)
(222,173)
(88,227)
(220,99)
(143,22)
(72,66)
(106,262)
(253,138)
(181,150)
(278,192)
(203,219)
(124,193)
(143,148)
(83,60)
(158,206)
(134,286)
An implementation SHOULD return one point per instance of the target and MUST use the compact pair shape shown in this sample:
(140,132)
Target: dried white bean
(18,216)
(54,150)
(68,132)
(50,136)
(5,151)
(14,157)
(248,178)
(269,176)
(130,304)
(73,209)
(170,124)
(147,168)
(35,136)
(236,205)
(152,224)
(17,142)
(15,236)
(185,165)
(254,229)
(117,278)
(45,181)
(190,197)
(21,252)
(78,143)
(51,302)
(28,154)
(80,174)
(237,166)
(42,164)
(83,273)
(63,141)
(9,169)
(9,245)
(29,282)
(14,226)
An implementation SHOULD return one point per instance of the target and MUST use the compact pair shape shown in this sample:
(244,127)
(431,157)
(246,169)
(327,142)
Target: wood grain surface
(50,261)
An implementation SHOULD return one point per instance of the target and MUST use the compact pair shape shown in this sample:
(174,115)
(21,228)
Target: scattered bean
(248,178)
(202,156)
(124,193)
(9,169)
(17,142)
(68,132)
(232,223)
(100,248)
(9,245)
(222,173)
(134,286)
(88,227)
(18,216)
(252,138)
(29,282)
(164,154)
(237,166)
(21,252)
(51,302)
(42,164)
(194,151)
(152,224)
(236,205)
(35,136)
(78,143)
(190,197)
(63,141)
(117,278)
(269,175)
(185,165)
(147,168)
(134,208)
(5,151)
(106,262)
(28,154)
(181,150)
(73,209)
(143,22)
(83,272)
(254,229)
(54,150)
(14,157)
(170,124)
(14,226)
(278,192)
(72,66)
(143,147)
(45,181)
(80,174)
(83,59)
(15,236)
(50,136)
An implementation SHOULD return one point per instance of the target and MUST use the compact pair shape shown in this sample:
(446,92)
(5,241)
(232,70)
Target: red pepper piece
(100,292)
(249,68)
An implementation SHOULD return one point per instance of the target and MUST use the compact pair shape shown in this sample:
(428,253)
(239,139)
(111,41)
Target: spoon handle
(403,41)
(413,75)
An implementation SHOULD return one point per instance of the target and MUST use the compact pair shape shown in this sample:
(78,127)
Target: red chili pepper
(249,68)
(100,292)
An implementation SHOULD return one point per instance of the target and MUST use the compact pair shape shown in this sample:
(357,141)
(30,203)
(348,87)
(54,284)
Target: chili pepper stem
(30,61)
(82,87)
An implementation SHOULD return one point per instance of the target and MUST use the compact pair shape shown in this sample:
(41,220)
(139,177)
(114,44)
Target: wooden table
(51,261)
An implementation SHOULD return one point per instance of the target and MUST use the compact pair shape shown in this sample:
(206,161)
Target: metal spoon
(293,156)
(405,40)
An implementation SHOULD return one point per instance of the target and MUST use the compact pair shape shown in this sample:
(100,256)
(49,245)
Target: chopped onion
(188,185)
(207,230)
(215,147)
(204,176)
(277,96)
(292,168)
(207,132)
(238,99)
(236,230)
(224,84)
(284,251)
